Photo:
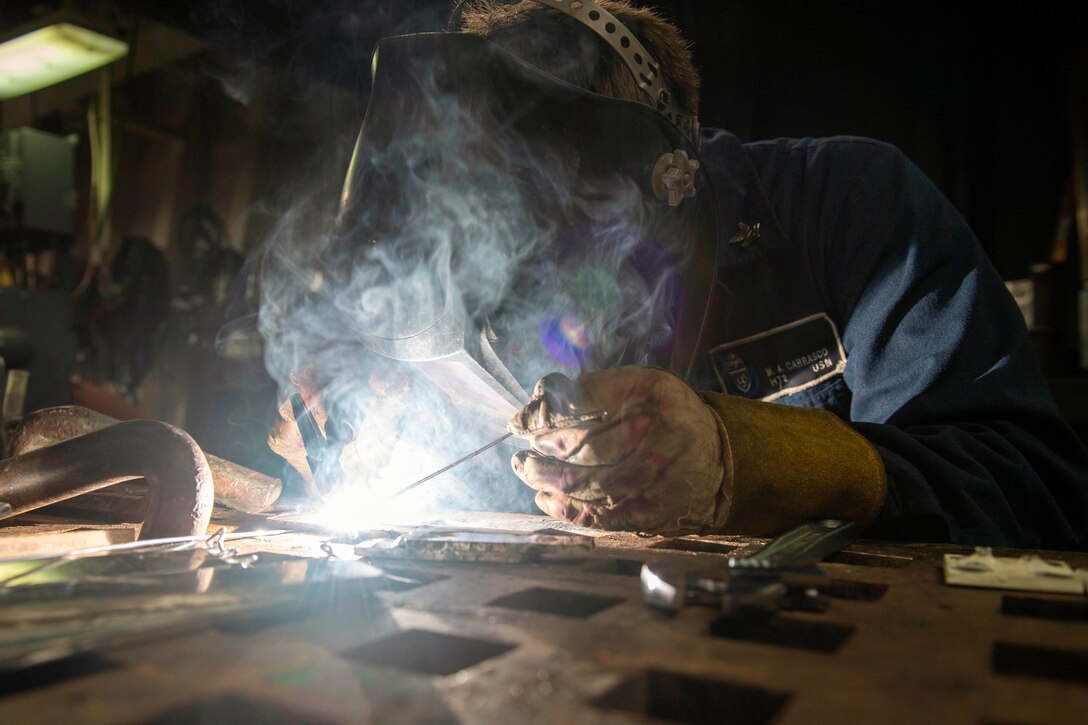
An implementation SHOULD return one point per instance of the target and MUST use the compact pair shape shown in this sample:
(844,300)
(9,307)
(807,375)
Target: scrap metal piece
(448,466)
(477,547)
(1028,573)
(741,590)
(761,600)
(670,588)
(236,487)
(764,591)
(779,576)
(807,544)
(180,483)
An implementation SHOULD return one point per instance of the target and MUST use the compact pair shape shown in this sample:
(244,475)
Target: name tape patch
(781,361)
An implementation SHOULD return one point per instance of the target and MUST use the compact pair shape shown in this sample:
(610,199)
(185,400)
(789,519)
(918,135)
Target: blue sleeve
(944,380)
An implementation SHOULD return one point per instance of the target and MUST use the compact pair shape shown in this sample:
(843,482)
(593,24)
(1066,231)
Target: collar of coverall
(742,202)
(454,108)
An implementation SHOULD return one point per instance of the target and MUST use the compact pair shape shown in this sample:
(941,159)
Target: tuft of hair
(561,46)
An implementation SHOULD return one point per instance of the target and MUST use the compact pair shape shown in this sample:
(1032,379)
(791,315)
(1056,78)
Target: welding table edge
(919,553)
(417,615)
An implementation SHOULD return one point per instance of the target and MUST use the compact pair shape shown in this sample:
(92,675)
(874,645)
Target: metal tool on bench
(781,576)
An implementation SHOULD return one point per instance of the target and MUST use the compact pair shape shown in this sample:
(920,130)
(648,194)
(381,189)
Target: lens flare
(596,290)
(566,339)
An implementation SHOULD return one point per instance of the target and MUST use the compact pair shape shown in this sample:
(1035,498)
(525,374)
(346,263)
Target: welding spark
(366,500)
(348,510)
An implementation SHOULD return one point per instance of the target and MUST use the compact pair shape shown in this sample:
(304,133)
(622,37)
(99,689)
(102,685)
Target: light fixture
(53,54)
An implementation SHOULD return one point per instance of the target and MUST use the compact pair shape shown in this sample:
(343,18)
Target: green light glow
(53,54)
(12,569)
(597,290)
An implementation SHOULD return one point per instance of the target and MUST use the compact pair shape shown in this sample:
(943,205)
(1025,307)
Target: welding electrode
(456,463)
(572,422)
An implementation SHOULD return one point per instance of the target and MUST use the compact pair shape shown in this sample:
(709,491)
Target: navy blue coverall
(851,284)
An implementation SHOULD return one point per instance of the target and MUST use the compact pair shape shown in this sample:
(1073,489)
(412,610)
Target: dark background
(267,111)
(976,95)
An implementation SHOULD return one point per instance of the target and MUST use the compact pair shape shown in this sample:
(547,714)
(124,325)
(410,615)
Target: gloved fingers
(586,483)
(622,515)
(285,440)
(650,463)
(606,443)
(557,402)
(309,387)
(286,437)
(561,506)
(312,409)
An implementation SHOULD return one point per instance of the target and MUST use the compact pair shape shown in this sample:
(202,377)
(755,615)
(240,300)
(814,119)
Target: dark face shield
(498,224)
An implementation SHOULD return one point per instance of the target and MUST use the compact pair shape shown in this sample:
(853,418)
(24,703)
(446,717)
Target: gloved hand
(354,451)
(664,459)
(285,439)
(627,448)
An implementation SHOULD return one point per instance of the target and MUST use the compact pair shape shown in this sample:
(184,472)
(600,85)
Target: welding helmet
(498,224)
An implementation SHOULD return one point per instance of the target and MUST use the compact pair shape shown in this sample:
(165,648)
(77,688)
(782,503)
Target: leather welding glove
(664,459)
(285,439)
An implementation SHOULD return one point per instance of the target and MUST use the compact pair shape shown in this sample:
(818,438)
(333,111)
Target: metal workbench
(571,640)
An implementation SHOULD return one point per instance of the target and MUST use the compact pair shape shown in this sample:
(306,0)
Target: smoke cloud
(459,237)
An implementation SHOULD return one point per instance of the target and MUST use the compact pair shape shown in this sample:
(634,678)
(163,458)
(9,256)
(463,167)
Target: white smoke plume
(454,216)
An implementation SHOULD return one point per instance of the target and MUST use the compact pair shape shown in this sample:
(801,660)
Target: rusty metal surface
(571,641)
(180,495)
(236,487)
(124,502)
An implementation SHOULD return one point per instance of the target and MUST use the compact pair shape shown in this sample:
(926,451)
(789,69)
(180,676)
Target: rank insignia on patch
(781,361)
(739,375)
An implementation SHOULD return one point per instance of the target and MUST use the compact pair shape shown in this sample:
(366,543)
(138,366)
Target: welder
(857,356)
